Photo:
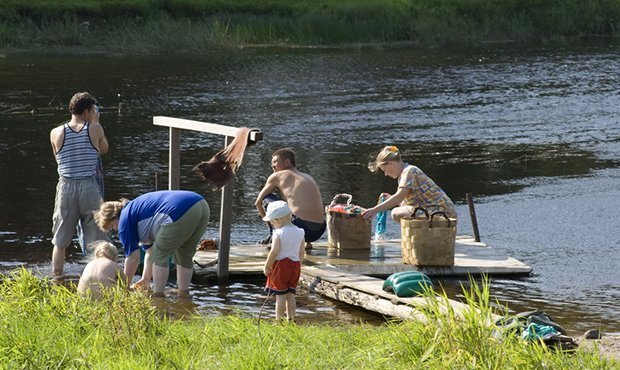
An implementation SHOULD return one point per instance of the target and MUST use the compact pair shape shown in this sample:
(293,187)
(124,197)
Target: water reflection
(248,299)
(532,133)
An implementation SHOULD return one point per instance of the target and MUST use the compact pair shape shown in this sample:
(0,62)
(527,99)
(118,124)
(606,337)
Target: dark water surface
(534,134)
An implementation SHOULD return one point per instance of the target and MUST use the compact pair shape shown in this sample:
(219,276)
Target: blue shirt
(142,217)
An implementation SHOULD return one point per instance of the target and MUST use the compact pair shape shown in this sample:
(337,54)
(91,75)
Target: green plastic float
(407,283)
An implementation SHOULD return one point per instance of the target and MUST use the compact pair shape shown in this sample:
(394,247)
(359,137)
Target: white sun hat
(276,209)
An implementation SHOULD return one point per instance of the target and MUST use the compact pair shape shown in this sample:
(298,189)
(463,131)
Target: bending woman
(415,188)
(170,222)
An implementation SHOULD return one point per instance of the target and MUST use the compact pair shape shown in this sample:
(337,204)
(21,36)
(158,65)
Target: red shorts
(284,277)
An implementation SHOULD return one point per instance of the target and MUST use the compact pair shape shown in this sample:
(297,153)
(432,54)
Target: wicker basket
(428,241)
(347,231)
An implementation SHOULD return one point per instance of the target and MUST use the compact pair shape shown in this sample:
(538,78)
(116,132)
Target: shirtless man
(299,190)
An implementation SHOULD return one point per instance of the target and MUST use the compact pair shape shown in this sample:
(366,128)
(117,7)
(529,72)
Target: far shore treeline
(153,26)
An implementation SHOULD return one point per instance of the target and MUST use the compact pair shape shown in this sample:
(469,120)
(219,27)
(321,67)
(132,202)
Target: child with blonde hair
(103,271)
(283,265)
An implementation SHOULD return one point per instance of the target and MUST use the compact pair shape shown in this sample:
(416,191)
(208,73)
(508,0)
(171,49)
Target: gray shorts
(180,238)
(76,200)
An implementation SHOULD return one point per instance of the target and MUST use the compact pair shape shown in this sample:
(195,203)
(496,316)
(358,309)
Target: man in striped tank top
(77,146)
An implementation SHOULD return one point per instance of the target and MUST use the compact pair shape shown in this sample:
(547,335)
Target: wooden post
(174,181)
(223,251)
(229,132)
(472,214)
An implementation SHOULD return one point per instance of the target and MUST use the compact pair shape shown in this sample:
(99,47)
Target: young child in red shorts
(283,264)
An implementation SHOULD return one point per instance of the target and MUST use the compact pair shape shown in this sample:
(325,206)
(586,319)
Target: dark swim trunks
(313,230)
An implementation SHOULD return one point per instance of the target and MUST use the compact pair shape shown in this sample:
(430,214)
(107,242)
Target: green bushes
(325,22)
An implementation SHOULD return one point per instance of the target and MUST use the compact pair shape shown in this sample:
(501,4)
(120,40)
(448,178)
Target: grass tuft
(43,325)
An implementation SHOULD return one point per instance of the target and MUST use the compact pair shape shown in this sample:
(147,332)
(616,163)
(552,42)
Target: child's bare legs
(291,306)
(285,303)
(280,306)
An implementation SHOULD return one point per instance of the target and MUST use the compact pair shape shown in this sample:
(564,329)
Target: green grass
(159,26)
(49,326)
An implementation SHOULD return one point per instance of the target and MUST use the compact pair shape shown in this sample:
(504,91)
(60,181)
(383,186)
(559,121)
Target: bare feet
(184,294)
(57,277)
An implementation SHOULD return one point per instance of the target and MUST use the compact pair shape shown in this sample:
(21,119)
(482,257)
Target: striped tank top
(78,157)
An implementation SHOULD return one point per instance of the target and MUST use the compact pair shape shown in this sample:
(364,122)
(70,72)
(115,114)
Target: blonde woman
(168,223)
(415,188)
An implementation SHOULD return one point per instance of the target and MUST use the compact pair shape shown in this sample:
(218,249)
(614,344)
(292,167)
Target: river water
(533,133)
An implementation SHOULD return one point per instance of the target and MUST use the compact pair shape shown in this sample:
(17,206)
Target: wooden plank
(322,274)
(383,259)
(213,128)
(366,292)
(225,220)
(361,299)
(174,160)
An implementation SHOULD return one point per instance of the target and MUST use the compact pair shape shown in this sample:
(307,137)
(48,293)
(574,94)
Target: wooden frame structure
(174,175)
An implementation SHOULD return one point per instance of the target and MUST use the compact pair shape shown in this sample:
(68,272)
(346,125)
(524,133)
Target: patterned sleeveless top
(78,157)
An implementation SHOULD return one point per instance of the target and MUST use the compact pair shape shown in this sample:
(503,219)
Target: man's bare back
(299,190)
(301,193)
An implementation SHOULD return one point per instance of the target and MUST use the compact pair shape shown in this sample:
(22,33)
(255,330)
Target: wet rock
(593,334)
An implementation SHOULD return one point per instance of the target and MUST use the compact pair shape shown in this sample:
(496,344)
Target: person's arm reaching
(131,265)
(99,138)
(147,271)
(389,203)
(270,187)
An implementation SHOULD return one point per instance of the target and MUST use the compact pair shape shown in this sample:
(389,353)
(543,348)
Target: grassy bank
(48,326)
(195,25)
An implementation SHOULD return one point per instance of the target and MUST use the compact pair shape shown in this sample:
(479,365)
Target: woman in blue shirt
(169,222)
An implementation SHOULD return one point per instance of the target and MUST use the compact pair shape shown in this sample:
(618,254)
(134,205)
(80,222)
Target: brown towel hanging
(220,169)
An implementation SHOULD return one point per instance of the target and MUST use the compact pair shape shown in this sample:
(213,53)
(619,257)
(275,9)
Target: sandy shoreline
(608,346)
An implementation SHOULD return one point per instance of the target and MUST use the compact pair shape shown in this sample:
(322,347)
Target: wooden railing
(174,175)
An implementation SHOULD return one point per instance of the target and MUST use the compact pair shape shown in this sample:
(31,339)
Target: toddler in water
(103,271)
(283,265)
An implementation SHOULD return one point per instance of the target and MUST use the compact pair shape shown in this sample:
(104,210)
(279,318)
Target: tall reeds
(193,26)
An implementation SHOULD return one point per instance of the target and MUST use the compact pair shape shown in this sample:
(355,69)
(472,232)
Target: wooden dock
(381,260)
(356,276)
(367,292)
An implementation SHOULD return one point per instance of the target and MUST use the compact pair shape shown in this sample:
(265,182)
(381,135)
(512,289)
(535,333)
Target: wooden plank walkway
(367,292)
(346,275)
(382,259)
